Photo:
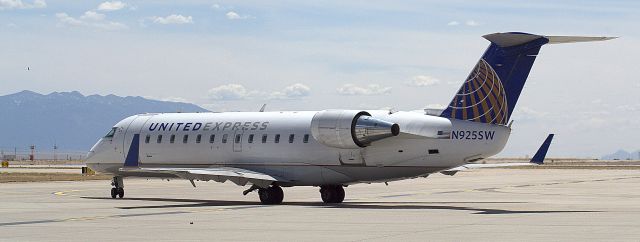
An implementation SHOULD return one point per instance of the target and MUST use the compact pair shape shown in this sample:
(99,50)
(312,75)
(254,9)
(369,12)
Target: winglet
(538,158)
(132,156)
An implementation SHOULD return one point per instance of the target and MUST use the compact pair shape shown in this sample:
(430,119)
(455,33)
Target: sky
(314,55)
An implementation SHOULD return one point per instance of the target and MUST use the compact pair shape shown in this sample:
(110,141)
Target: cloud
(18,4)
(239,92)
(371,89)
(97,21)
(173,19)
(294,91)
(235,16)
(423,81)
(435,106)
(111,6)
(92,15)
(471,23)
(526,114)
(229,92)
(66,19)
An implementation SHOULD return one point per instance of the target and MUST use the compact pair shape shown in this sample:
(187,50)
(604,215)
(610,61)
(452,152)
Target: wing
(219,174)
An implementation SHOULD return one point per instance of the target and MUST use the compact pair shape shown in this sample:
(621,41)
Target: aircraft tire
(114,192)
(332,194)
(271,195)
(340,194)
(120,192)
(278,194)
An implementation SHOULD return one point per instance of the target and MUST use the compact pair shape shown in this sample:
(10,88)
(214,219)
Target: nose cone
(90,158)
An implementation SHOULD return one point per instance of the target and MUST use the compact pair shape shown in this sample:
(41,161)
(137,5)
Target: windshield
(111,133)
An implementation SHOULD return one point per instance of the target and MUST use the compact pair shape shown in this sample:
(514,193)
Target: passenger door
(134,128)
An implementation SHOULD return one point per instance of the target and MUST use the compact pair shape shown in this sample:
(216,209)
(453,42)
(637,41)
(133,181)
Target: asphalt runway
(485,205)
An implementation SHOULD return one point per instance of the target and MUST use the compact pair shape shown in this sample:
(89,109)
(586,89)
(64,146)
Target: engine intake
(350,129)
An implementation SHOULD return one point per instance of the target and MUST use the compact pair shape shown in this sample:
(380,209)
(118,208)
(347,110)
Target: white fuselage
(303,163)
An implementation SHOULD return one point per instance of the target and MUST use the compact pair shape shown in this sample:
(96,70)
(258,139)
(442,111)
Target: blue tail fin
(492,89)
(133,157)
(538,158)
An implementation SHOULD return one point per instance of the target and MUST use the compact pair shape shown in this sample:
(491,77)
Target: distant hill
(623,155)
(72,120)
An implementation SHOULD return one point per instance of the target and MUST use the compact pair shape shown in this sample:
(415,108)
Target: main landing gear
(274,195)
(332,194)
(118,187)
(271,195)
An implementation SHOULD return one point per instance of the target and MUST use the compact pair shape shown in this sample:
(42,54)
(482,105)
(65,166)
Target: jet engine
(350,129)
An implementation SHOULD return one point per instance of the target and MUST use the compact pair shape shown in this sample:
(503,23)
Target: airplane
(538,159)
(329,149)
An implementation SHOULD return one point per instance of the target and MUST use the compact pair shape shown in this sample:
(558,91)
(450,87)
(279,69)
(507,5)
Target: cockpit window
(111,133)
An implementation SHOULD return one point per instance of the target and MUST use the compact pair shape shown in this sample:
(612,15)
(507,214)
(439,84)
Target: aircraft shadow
(234,205)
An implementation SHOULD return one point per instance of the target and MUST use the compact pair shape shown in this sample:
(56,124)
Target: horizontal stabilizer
(453,171)
(538,159)
(575,39)
(515,38)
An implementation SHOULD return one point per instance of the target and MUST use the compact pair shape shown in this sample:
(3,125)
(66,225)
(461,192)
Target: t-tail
(491,91)
(538,158)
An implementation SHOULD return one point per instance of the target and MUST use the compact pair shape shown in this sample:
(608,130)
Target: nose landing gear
(118,187)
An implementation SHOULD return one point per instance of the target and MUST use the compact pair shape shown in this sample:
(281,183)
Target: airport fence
(27,154)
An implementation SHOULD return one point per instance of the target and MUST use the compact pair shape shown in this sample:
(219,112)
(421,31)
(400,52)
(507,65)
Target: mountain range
(622,155)
(72,121)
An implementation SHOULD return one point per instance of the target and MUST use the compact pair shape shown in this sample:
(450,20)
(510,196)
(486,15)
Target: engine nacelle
(350,129)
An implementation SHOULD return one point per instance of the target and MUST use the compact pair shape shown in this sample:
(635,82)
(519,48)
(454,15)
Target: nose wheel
(118,187)
(332,194)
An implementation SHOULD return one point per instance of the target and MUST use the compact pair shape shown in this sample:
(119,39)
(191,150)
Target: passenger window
(224,138)
(185,138)
(250,138)
(172,138)
(238,138)
(434,151)
(212,138)
(198,138)
(305,139)
(277,139)
(159,140)
(146,139)
(291,137)
(111,132)
(264,138)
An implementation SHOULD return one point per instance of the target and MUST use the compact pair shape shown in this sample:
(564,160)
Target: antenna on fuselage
(263,106)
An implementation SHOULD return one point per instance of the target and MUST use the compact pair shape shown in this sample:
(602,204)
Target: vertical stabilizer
(490,92)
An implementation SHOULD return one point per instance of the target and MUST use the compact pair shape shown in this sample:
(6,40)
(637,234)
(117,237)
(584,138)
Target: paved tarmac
(480,205)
